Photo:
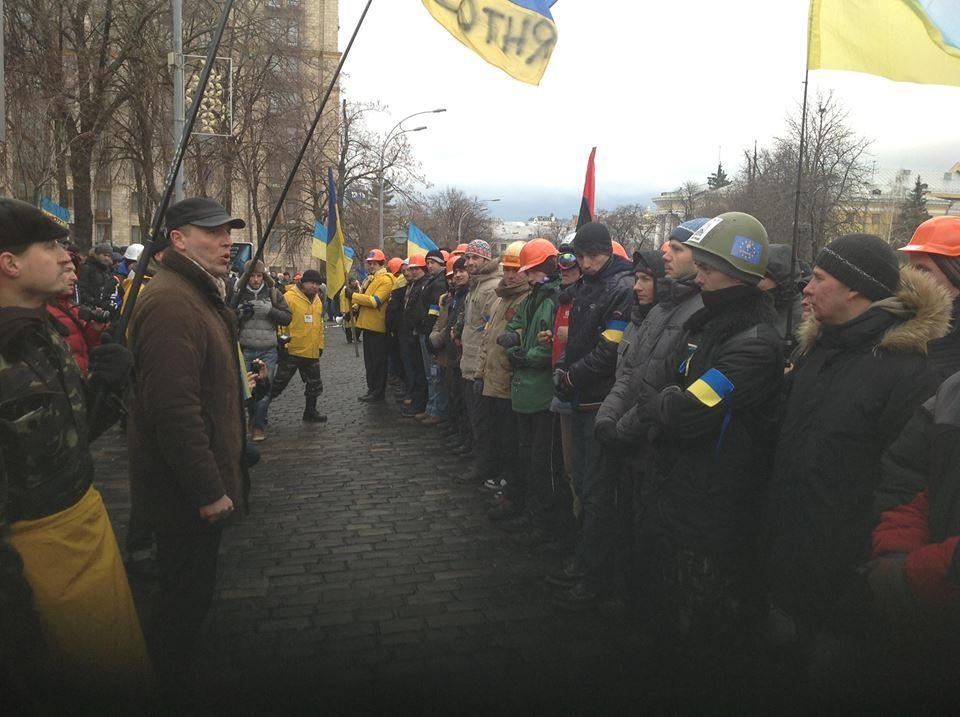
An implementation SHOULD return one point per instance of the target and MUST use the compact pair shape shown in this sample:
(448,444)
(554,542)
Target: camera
(283,339)
(92,313)
(245,309)
(256,365)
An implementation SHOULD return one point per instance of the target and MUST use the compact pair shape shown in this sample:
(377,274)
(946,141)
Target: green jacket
(532,387)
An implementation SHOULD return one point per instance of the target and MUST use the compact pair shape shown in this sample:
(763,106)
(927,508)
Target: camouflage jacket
(45,461)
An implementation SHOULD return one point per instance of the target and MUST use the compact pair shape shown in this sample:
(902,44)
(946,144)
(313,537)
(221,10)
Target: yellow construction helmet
(511,257)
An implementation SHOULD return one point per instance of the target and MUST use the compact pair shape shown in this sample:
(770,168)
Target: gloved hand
(605,431)
(110,364)
(562,386)
(348,290)
(245,310)
(517,357)
(261,308)
(478,387)
(508,339)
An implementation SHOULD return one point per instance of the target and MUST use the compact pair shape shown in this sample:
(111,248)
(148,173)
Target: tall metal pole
(178,109)
(789,340)
(383,151)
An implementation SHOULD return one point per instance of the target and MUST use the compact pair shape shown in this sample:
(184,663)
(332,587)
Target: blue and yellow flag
(318,250)
(518,36)
(337,268)
(902,40)
(418,242)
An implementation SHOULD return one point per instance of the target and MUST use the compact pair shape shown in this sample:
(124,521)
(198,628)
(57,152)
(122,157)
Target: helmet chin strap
(950,266)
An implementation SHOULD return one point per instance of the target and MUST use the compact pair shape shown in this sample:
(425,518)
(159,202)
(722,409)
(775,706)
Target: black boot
(310,411)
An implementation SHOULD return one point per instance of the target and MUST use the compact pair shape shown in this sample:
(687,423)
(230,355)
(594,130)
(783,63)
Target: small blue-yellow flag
(518,36)
(902,40)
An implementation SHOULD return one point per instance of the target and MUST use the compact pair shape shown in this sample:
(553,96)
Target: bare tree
(631,225)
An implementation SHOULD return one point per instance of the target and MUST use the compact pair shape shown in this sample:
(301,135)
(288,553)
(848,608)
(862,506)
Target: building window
(135,237)
(101,233)
(104,201)
(135,203)
(293,32)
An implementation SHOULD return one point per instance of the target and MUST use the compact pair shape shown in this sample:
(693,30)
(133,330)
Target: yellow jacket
(306,327)
(372,301)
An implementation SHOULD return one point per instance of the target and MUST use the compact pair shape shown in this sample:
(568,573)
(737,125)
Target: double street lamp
(467,212)
(392,135)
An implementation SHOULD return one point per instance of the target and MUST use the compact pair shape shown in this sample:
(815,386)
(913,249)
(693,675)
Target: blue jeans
(258,411)
(436,397)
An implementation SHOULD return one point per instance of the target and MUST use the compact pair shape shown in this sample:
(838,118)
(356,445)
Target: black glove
(349,292)
(562,386)
(245,310)
(508,339)
(605,431)
(517,358)
(478,387)
(110,364)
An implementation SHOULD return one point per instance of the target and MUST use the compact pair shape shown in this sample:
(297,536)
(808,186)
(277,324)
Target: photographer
(261,310)
(83,325)
(97,285)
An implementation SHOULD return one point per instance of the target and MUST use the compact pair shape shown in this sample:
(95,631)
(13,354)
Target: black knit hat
(593,238)
(311,275)
(437,256)
(863,262)
(779,262)
(649,262)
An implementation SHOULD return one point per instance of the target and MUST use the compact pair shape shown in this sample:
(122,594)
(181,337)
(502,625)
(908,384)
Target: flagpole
(261,245)
(788,339)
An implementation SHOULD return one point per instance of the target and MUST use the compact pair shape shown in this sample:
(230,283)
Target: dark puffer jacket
(714,431)
(96,284)
(945,352)
(412,308)
(647,358)
(600,314)
(854,388)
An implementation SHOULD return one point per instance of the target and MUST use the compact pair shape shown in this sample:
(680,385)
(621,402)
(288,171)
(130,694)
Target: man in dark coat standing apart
(861,372)
(186,431)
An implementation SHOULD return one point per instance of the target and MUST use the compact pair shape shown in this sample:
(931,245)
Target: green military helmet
(734,243)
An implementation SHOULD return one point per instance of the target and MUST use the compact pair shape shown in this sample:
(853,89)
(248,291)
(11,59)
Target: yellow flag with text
(902,40)
(518,36)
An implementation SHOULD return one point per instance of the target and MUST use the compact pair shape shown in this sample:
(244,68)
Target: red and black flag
(589,193)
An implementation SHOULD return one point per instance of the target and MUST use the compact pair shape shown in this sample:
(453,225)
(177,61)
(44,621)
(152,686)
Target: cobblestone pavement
(365,577)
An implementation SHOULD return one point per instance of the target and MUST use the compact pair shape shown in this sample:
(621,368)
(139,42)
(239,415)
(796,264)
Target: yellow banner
(896,39)
(516,39)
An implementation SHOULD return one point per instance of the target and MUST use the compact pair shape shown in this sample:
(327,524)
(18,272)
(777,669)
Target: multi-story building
(304,36)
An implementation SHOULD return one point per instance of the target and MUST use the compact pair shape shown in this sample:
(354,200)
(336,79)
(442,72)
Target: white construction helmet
(133,252)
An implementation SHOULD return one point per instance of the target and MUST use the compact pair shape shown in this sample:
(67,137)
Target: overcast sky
(661,88)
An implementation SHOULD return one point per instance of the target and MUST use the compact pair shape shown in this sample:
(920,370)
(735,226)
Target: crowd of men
(742,453)
(746,451)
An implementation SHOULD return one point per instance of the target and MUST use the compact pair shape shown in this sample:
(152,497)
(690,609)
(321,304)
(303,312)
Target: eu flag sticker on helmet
(747,249)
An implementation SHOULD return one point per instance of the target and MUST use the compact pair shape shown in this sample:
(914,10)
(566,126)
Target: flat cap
(22,223)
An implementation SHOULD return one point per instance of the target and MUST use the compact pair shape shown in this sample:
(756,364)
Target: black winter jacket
(434,287)
(395,306)
(945,352)
(95,284)
(647,358)
(714,430)
(854,388)
(412,306)
(600,313)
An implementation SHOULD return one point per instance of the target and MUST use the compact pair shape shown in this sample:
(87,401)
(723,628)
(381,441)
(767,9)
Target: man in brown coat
(186,431)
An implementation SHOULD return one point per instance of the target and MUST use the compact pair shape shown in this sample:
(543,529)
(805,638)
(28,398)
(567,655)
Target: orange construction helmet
(451,260)
(418,260)
(535,252)
(376,255)
(395,265)
(940,235)
(446,254)
(460,250)
(618,250)
(511,256)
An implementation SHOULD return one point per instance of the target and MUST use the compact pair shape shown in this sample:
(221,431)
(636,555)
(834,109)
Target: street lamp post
(468,211)
(383,151)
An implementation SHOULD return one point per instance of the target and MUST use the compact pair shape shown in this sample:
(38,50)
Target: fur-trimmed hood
(923,305)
